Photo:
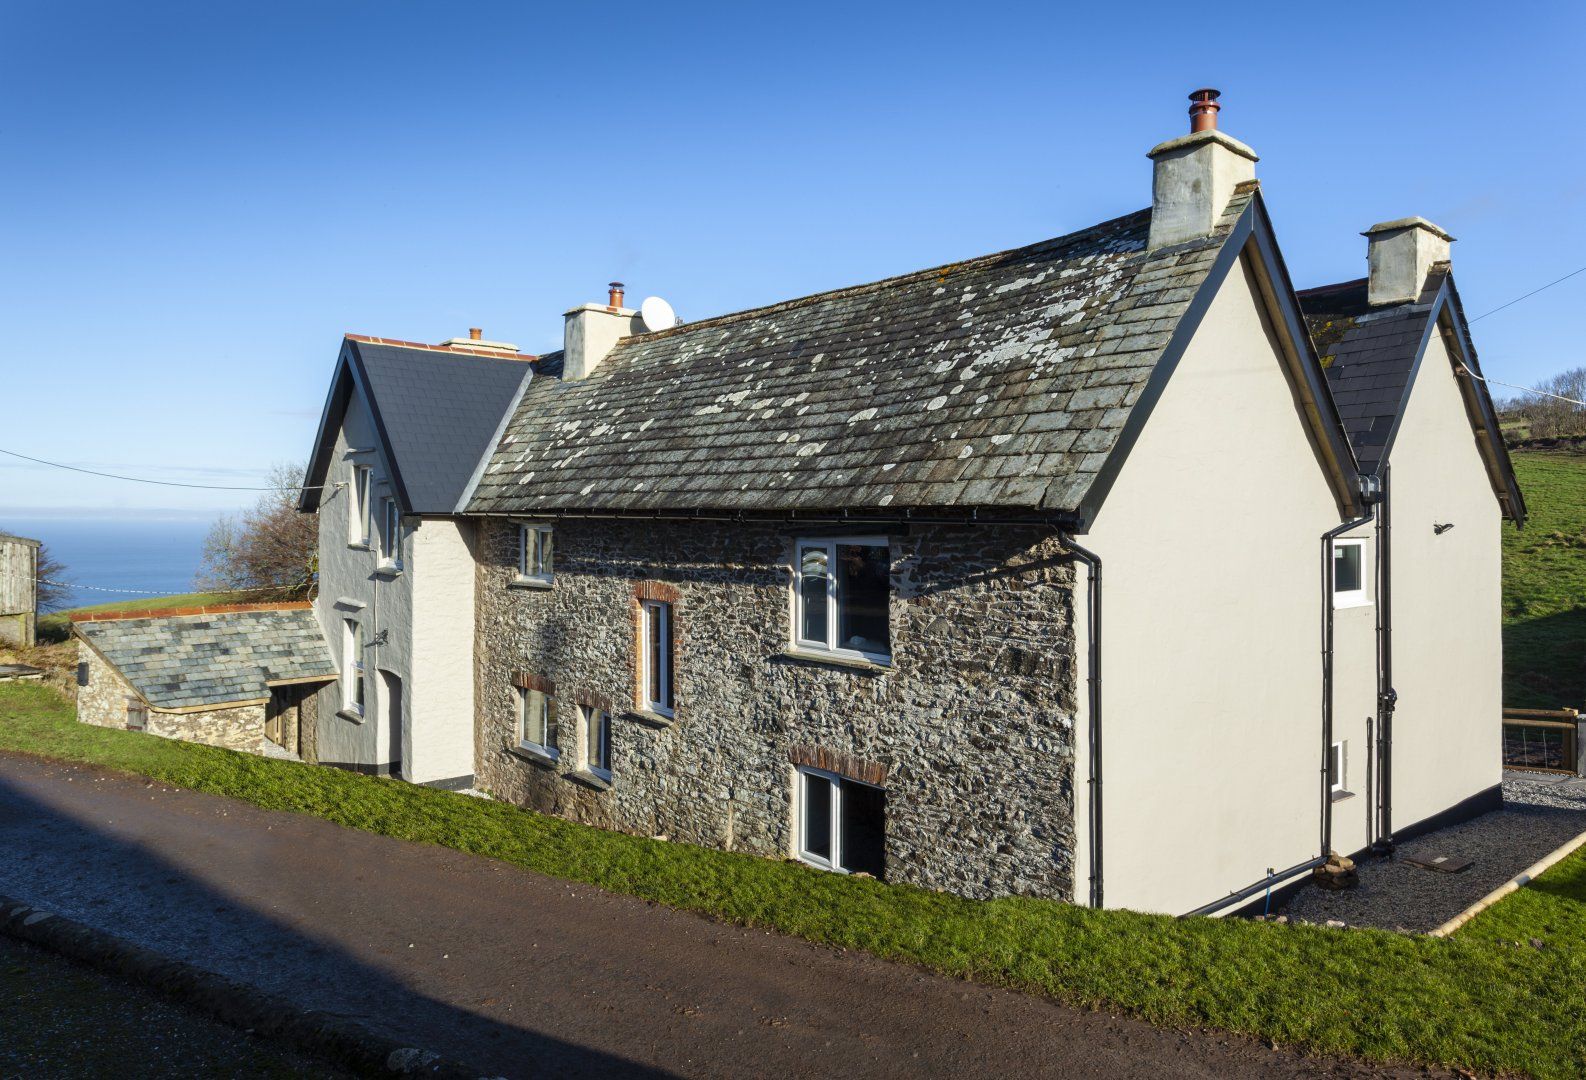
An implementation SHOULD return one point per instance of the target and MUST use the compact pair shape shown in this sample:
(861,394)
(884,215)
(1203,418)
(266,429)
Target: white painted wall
(1211,549)
(441,744)
(1447,603)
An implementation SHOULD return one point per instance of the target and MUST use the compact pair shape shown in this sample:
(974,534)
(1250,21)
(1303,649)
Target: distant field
(1544,585)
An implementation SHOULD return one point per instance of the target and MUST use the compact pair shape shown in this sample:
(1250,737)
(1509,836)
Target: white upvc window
(361,485)
(842,593)
(537,722)
(390,534)
(656,649)
(352,668)
(596,725)
(534,553)
(1351,573)
(840,824)
(1335,769)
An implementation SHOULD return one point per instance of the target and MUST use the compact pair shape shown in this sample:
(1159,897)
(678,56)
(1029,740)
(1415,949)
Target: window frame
(587,717)
(1348,598)
(390,533)
(829,646)
(546,749)
(802,775)
(353,670)
(1336,778)
(539,570)
(660,671)
(362,488)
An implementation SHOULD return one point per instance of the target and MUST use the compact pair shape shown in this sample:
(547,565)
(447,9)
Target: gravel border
(1540,812)
(337,1040)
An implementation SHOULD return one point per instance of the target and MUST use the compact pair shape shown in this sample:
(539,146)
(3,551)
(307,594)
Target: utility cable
(161,483)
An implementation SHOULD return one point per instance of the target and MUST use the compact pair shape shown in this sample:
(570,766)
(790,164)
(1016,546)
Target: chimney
(476,342)
(1400,254)
(590,331)
(1194,176)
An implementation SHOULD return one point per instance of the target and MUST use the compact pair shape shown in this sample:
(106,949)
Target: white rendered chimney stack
(1400,254)
(589,332)
(1194,176)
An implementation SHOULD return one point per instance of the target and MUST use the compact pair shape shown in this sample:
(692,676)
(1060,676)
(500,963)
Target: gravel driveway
(1541,812)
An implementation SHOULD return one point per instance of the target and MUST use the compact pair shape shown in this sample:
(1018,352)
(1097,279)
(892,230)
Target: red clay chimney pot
(1203,110)
(475,333)
(615,299)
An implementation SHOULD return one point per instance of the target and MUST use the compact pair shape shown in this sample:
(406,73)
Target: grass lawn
(1474,1001)
(1544,585)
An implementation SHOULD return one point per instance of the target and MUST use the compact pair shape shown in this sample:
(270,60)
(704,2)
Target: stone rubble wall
(102,701)
(972,727)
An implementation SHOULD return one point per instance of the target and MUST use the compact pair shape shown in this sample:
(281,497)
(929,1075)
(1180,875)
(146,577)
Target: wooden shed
(19,593)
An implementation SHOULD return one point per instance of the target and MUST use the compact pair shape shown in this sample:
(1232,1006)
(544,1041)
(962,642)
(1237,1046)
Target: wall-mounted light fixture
(1441,529)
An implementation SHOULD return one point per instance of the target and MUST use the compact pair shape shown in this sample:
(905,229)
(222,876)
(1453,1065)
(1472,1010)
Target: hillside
(1544,585)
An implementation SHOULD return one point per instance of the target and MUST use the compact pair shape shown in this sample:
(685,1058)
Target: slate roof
(178,662)
(1369,355)
(437,410)
(1000,382)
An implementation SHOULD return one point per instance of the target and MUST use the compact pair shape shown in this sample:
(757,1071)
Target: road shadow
(60,860)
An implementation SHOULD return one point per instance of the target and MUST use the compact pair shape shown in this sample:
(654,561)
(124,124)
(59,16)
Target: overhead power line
(146,592)
(1527,296)
(161,483)
(1516,386)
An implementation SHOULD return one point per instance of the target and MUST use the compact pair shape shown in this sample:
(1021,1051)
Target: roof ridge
(886,282)
(455,349)
(1337,286)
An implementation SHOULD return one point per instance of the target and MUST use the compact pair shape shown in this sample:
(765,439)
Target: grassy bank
(1473,1001)
(1544,585)
(56,626)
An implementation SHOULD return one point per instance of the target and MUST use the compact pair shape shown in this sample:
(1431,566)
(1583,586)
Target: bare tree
(53,587)
(1549,417)
(271,549)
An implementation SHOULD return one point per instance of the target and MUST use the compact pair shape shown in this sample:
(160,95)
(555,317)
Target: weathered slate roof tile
(182,661)
(1002,381)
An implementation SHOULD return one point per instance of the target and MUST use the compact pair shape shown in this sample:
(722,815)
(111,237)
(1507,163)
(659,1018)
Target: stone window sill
(814,656)
(529,583)
(349,714)
(356,546)
(592,779)
(389,570)
(651,719)
(1340,796)
(537,755)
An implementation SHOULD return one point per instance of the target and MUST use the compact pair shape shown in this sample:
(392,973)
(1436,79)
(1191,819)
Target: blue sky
(199,199)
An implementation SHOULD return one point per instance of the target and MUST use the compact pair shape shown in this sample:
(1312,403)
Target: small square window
(841,823)
(656,650)
(1350,573)
(137,714)
(534,553)
(843,596)
(537,721)
(597,741)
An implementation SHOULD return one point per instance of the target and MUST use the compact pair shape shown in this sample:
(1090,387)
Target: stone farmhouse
(871,579)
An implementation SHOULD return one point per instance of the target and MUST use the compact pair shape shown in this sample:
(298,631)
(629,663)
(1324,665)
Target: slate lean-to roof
(438,412)
(1372,355)
(179,662)
(1000,382)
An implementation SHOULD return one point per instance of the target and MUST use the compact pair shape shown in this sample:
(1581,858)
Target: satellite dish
(657,314)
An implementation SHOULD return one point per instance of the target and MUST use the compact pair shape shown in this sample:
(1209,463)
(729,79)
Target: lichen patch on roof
(998,382)
(186,661)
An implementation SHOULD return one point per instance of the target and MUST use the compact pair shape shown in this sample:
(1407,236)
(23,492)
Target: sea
(117,558)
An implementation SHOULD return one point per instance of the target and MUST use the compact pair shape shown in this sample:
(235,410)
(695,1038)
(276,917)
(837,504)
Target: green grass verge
(1544,585)
(1478,1003)
(56,626)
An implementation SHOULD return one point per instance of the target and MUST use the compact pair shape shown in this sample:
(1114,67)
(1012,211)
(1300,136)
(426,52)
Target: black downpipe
(1327,671)
(1387,696)
(1093,610)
